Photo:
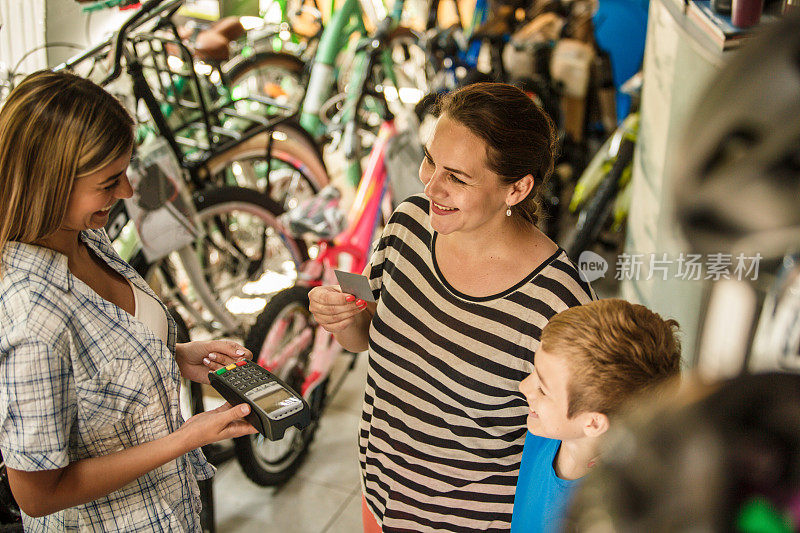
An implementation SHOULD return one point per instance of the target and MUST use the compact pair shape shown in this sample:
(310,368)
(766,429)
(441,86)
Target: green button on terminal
(221,371)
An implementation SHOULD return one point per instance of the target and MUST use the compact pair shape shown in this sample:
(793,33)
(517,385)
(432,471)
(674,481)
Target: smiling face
(465,195)
(546,391)
(93,195)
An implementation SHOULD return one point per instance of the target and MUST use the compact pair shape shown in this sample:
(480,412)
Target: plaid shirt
(80,377)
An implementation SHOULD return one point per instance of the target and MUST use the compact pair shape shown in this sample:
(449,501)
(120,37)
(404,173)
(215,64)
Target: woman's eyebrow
(112,177)
(449,169)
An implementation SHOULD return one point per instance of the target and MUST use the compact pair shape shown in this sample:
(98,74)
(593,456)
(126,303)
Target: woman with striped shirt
(464,283)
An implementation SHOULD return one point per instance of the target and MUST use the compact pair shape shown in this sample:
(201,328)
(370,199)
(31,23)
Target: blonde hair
(54,127)
(615,350)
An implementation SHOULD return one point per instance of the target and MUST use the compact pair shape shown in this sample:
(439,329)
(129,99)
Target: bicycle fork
(323,354)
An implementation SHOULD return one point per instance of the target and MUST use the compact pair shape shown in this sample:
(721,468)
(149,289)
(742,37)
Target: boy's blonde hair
(615,349)
(54,127)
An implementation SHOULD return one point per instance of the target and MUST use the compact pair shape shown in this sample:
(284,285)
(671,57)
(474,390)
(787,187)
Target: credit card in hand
(355,284)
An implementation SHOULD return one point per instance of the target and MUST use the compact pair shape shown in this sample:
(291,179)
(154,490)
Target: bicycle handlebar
(149,10)
(106,4)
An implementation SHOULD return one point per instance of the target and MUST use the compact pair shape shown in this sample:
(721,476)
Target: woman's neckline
(515,286)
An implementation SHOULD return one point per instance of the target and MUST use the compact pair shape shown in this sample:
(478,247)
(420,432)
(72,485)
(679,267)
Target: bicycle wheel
(410,66)
(296,169)
(276,75)
(285,319)
(245,257)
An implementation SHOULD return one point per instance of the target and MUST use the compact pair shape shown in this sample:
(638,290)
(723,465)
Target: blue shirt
(80,378)
(542,497)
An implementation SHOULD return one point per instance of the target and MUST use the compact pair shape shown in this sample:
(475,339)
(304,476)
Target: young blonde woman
(465,282)
(90,427)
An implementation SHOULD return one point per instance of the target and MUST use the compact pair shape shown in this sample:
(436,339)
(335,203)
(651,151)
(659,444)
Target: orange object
(370,523)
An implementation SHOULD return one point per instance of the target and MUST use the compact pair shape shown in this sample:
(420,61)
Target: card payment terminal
(274,406)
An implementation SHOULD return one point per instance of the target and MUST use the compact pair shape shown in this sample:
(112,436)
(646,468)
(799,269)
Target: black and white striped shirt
(443,422)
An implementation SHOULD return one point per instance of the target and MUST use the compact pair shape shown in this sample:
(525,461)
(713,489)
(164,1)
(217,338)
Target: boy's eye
(454,179)
(112,185)
(428,159)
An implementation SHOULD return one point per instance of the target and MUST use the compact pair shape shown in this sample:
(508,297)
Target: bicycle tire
(291,69)
(592,217)
(269,463)
(229,252)
(413,70)
(297,170)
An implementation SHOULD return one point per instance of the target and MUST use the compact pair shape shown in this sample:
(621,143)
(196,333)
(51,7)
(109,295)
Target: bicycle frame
(349,250)
(217,139)
(345,21)
(602,162)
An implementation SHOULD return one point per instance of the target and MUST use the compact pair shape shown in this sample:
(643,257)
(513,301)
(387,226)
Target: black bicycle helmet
(706,459)
(737,181)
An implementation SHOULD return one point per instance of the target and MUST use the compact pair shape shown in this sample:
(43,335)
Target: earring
(508,210)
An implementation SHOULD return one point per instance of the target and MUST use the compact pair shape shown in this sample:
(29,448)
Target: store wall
(27,24)
(65,22)
(677,69)
(22,30)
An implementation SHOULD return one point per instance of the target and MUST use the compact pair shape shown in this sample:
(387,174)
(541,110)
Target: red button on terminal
(241,363)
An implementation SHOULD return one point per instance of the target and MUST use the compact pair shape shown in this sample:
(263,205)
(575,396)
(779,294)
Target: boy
(592,359)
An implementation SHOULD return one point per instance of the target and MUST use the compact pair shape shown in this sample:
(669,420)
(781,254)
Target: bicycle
(601,199)
(287,156)
(285,339)
(323,116)
(229,254)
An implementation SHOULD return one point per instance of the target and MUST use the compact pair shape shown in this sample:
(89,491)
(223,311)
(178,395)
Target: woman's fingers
(335,327)
(238,428)
(233,423)
(330,305)
(337,317)
(223,352)
(228,350)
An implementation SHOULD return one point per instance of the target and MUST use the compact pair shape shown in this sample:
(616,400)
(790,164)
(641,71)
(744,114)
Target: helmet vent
(788,167)
(734,146)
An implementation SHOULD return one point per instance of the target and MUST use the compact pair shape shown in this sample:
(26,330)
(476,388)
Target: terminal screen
(274,400)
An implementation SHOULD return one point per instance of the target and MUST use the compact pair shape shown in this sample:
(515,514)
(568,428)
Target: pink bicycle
(285,338)
(287,341)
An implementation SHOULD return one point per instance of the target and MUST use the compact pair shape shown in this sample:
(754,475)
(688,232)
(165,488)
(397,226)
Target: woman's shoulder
(31,307)
(562,279)
(415,207)
(410,218)
(33,289)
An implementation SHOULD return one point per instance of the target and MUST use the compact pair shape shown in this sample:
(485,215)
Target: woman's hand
(197,359)
(224,422)
(334,310)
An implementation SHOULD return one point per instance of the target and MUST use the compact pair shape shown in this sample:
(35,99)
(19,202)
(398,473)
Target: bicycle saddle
(499,24)
(211,44)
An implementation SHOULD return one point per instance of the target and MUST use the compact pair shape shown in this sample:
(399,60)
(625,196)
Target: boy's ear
(596,424)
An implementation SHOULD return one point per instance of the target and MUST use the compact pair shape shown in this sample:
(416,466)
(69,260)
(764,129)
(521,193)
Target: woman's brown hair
(54,127)
(519,136)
